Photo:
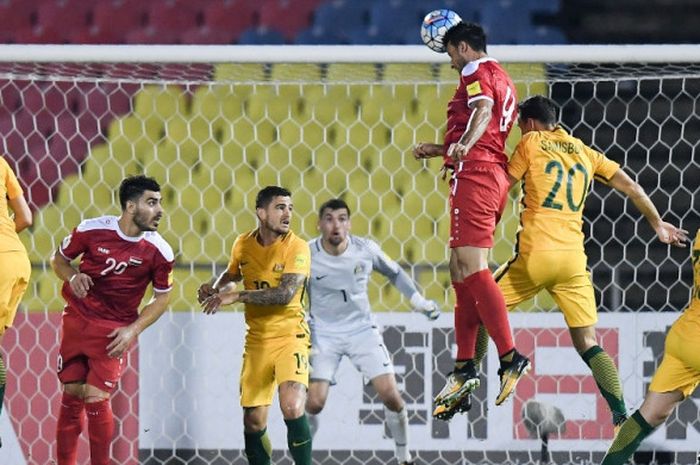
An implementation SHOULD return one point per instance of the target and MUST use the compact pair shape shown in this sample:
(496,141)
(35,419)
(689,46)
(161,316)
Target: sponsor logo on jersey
(474,88)
(300,261)
(102,250)
(359,268)
(135,261)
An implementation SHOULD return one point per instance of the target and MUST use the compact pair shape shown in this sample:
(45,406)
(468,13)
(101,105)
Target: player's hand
(123,337)
(212,303)
(80,284)
(205,291)
(420,151)
(669,234)
(457,152)
(429,308)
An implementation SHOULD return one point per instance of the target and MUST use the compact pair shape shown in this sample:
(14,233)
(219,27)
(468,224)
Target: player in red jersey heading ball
(120,257)
(479,118)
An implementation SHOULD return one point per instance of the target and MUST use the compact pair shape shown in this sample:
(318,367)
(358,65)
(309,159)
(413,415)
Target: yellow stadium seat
(102,166)
(186,281)
(286,72)
(43,292)
(130,137)
(237,72)
(349,72)
(406,72)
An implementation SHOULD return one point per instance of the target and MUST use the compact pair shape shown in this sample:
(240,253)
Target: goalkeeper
(341,321)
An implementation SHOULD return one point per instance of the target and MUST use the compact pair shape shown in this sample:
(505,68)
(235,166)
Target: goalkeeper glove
(429,308)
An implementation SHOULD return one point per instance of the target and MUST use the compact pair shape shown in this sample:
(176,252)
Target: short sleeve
(235,260)
(74,244)
(298,258)
(603,167)
(14,190)
(477,87)
(162,274)
(519,163)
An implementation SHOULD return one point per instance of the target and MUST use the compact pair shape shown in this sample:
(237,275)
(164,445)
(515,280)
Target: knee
(253,423)
(314,405)
(292,410)
(393,400)
(75,389)
(394,403)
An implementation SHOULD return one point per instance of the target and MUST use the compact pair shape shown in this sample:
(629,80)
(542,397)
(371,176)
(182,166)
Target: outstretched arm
(666,232)
(399,278)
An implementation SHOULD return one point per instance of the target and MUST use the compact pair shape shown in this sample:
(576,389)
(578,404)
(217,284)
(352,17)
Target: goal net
(215,124)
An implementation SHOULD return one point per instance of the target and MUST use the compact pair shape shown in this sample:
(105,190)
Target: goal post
(214,124)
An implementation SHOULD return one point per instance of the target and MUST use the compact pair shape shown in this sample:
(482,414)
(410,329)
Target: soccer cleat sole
(508,388)
(446,413)
(467,388)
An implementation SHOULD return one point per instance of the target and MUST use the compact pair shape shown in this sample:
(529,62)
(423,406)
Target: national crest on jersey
(121,268)
(482,79)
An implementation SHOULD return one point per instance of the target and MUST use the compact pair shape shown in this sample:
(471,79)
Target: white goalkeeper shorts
(365,349)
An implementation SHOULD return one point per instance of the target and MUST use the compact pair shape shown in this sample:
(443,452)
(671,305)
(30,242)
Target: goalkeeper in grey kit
(341,320)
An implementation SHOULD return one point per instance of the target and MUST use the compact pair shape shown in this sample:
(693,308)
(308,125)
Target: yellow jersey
(694,305)
(557,170)
(9,189)
(262,267)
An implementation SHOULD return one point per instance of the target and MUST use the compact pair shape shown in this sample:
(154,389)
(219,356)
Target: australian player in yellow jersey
(556,170)
(274,265)
(14,262)
(674,380)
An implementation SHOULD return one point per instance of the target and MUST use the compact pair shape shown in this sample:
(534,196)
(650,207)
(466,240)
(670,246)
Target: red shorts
(82,356)
(478,195)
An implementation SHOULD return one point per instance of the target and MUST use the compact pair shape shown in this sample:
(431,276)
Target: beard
(143,222)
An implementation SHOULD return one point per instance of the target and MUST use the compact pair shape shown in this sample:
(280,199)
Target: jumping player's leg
(573,293)
(603,369)
(477,199)
(394,413)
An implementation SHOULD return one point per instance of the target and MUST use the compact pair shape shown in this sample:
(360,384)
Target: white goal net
(340,122)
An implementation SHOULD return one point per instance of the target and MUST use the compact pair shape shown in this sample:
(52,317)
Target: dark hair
(540,108)
(133,187)
(265,196)
(333,204)
(471,33)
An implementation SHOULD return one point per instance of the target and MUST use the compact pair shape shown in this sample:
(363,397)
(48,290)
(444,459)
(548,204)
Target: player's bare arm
(80,283)
(280,295)
(125,336)
(666,232)
(224,283)
(476,127)
(423,150)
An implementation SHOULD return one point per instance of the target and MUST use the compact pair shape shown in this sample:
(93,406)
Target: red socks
(480,300)
(100,430)
(466,322)
(68,428)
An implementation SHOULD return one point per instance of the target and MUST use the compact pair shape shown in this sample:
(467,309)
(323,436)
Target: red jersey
(121,268)
(484,78)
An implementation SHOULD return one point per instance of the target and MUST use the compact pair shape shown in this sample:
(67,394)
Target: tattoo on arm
(280,295)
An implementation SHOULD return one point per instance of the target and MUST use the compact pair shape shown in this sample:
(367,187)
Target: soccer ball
(435,25)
